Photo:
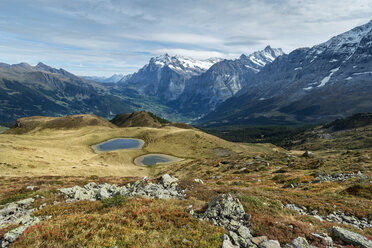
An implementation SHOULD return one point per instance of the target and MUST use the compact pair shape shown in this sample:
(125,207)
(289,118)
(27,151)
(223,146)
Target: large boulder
(227,211)
(351,238)
(168,181)
(225,208)
(269,244)
(298,242)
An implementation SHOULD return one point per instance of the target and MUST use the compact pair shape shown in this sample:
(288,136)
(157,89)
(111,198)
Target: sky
(103,37)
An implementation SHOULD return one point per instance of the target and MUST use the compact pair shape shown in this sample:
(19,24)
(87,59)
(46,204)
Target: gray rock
(298,242)
(351,237)
(103,194)
(296,208)
(244,232)
(308,154)
(338,177)
(197,180)
(234,237)
(269,244)
(165,190)
(91,186)
(228,212)
(324,237)
(168,181)
(225,206)
(25,202)
(12,236)
(226,242)
(17,213)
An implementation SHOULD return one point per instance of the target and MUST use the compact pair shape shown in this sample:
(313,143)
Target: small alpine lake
(118,144)
(152,159)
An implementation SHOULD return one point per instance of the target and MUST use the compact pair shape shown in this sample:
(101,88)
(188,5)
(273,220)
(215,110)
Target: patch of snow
(257,61)
(261,99)
(254,69)
(354,66)
(160,63)
(362,73)
(184,64)
(313,59)
(327,78)
(333,60)
(349,78)
(308,88)
(298,68)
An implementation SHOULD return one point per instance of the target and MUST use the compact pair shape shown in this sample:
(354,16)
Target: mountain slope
(113,79)
(42,90)
(37,123)
(325,82)
(222,81)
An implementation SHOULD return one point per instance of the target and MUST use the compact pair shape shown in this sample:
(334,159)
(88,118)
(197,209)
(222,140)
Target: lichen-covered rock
(325,237)
(17,213)
(228,212)
(168,181)
(166,189)
(226,242)
(299,210)
(298,242)
(351,238)
(269,244)
(225,207)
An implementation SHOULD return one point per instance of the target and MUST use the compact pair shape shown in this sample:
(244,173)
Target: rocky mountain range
(327,81)
(27,90)
(317,84)
(195,87)
(222,81)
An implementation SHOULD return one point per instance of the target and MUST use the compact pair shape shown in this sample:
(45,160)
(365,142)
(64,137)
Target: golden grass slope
(67,152)
(36,123)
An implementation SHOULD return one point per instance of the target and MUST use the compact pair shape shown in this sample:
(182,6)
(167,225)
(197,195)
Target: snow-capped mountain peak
(184,65)
(257,60)
(346,42)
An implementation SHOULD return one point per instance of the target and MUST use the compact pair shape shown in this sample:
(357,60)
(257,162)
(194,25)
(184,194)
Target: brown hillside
(138,119)
(28,124)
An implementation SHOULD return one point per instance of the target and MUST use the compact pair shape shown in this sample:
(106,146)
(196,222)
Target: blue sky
(103,37)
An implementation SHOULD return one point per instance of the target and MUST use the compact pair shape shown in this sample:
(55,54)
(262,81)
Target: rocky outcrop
(228,212)
(339,177)
(351,237)
(166,188)
(18,213)
(336,217)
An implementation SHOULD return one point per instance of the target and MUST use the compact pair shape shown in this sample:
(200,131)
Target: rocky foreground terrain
(276,200)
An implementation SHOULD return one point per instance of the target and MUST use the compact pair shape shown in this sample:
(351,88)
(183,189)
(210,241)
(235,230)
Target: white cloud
(122,35)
